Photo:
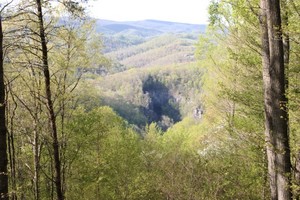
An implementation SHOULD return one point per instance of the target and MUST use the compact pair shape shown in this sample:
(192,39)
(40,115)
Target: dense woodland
(123,116)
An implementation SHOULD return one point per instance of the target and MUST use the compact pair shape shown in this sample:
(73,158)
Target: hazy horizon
(188,11)
(159,20)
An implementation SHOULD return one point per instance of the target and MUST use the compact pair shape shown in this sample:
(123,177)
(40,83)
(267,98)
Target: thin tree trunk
(36,152)
(63,136)
(63,112)
(3,131)
(276,103)
(36,113)
(52,117)
(11,146)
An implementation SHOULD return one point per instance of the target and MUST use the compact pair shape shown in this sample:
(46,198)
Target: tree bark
(276,113)
(12,107)
(36,153)
(3,130)
(270,142)
(52,117)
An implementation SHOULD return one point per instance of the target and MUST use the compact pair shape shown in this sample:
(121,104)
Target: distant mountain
(116,28)
(154,26)
(135,44)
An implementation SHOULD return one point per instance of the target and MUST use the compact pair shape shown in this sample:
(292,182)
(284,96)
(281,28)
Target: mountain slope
(162,50)
(154,77)
(153,94)
(149,42)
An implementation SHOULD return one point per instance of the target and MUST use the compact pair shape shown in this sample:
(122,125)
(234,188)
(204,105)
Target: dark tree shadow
(162,104)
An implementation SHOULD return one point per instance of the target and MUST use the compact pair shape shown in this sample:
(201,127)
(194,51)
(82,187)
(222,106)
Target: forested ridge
(97,109)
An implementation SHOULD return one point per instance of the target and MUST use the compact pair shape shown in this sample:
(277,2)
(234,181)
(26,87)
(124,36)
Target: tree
(74,8)
(275,101)
(279,74)
(3,131)
(3,105)
(52,117)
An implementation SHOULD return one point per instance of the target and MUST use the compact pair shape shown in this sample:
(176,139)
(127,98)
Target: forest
(149,110)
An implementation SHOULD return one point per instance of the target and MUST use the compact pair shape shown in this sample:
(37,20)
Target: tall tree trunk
(3,131)
(52,117)
(270,142)
(36,114)
(276,102)
(11,145)
(36,152)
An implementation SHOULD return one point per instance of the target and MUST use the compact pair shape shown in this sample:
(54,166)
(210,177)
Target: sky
(186,11)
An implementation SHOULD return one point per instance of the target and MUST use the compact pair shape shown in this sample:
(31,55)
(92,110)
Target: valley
(153,75)
(149,110)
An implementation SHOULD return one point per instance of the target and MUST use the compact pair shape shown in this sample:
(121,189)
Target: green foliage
(89,132)
(232,55)
(163,50)
(110,161)
(176,97)
(172,154)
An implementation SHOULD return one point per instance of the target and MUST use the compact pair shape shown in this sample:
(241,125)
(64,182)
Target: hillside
(166,49)
(153,77)
(149,42)
(153,94)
